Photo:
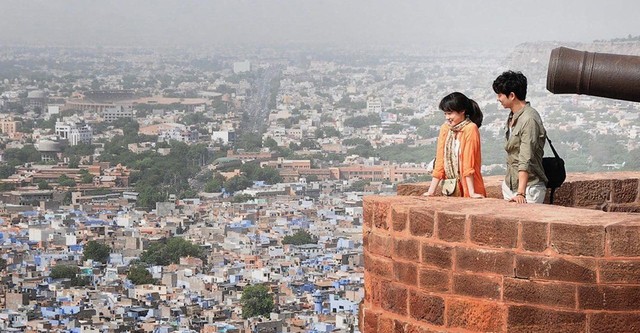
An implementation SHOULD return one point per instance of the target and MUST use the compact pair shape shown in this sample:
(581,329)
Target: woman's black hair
(458,102)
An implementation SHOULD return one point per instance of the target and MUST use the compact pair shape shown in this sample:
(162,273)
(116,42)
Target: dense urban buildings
(174,193)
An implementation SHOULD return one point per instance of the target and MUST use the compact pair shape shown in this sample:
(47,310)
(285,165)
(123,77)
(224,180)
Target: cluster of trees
(169,251)
(363,121)
(249,172)
(359,185)
(301,237)
(327,132)
(346,102)
(96,251)
(69,272)
(158,175)
(19,156)
(256,301)
(139,274)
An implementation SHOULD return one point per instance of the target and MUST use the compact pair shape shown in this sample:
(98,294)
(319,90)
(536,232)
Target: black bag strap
(555,153)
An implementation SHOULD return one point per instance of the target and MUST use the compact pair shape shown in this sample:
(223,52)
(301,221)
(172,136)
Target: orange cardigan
(470,157)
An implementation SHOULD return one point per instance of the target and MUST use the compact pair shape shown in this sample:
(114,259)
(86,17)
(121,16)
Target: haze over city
(261,167)
(204,23)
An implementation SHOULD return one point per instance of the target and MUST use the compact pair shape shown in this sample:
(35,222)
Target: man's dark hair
(511,82)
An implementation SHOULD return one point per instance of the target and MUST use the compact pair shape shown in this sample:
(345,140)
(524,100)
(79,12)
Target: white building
(182,135)
(52,110)
(374,105)
(117,112)
(223,136)
(74,132)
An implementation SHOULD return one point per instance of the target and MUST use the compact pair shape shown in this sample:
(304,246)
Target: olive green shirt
(525,147)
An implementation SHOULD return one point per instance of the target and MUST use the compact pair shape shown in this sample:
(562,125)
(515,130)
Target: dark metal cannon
(596,74)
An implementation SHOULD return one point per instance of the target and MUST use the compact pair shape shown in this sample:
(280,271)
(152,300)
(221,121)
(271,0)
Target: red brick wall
(464,265)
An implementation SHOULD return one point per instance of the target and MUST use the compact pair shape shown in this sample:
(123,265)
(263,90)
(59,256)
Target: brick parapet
(444,264)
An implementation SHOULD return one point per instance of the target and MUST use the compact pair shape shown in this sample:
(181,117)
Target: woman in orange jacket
(458,153)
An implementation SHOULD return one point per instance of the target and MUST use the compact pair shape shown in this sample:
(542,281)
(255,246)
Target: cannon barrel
(596,74)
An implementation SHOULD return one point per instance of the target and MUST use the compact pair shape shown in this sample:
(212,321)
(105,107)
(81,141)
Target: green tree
(327,132)
(97,251)
(43,185)
(140,275)
(7,187)
(256,301)
(363,121)
(69,272)
(74,161)
(394,129)
(249,142)
(311,178)
(237,183)
(356,142)
(254,172)
(170,251)
(214,184)
(6,171)
(26,154)
(301,237)
(64,272)
(270,142)
(359,185)
(64,180)
(241,198)
(149,195)
(86,177)
(362,150)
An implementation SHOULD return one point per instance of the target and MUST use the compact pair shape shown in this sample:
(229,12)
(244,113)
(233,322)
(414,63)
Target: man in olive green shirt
(525,179)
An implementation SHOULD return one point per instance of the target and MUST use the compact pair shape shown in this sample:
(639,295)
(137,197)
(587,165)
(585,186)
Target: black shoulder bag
(554,170)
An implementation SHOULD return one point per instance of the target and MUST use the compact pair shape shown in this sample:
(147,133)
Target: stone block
(555,269)
(399,215)
(475,316)
(412,189)
(440,256)
(433,280)
(484,261)
(425,307)
(477,285)
(370,320)
(554,294)
(381,212)
(578,240)
(421,221)
(624,239)
(563,196)
(528,319)
(608,322)
(406,273)
(451,226)
(380,266)
(386,324)
(367,213)
(495,232)
(380,244)
(535,236)
(611,298)
(619,271)
(408,249)
(394,299)
(592,192)
(624,190)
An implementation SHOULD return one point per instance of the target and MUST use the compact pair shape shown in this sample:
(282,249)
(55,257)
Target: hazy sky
(211,22)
